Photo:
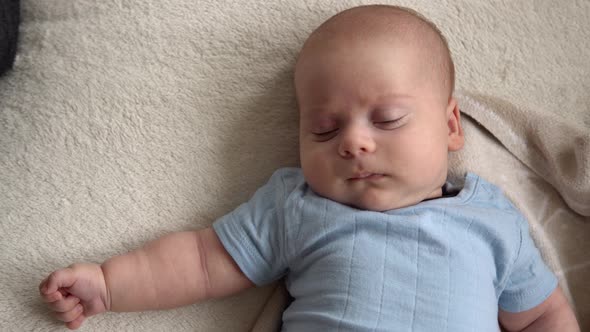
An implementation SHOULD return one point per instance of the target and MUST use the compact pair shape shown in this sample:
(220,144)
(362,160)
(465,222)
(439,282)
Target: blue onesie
(444,264)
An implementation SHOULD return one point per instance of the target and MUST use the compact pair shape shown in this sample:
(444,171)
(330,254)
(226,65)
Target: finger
(64,305)
(42,285)
(71,315)
(76,323)
(55,296)
(59,279)
(52,297)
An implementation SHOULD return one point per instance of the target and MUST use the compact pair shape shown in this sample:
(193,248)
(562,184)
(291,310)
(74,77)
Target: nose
(356,141)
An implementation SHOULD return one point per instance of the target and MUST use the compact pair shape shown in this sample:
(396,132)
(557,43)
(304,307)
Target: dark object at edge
(9,21)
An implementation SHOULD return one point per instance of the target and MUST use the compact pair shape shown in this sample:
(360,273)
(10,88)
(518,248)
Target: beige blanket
(125,120)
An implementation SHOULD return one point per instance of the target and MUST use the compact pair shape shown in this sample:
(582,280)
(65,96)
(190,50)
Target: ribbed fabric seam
(383,275)
(417,277)
(349,275)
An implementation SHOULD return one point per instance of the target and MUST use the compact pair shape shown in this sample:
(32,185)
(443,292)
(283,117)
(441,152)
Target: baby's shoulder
(489,196)
(287,173)
(285,184)
(287,178)
(489,211)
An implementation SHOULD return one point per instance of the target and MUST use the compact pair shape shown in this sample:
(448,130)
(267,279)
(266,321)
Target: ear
(456,138)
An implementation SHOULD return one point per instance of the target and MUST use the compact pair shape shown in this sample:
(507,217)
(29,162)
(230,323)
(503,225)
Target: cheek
(431,157)
(419,148)
(316,175)
(314,160)
(317,163)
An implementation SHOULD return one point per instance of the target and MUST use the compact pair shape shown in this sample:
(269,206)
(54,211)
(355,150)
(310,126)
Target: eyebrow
(323,109)
(327,108)
(320,110)
(394,97)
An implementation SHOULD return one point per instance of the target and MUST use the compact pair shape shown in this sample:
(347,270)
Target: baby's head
(374,87)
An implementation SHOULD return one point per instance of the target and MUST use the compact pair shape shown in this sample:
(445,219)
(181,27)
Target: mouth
(366,176)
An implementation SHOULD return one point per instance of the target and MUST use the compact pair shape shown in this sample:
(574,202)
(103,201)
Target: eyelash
(390,121)
(326,132)
(326,135)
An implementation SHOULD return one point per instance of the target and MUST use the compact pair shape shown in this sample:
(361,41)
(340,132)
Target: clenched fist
(75,293)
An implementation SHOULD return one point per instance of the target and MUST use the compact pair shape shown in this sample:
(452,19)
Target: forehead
(366,71)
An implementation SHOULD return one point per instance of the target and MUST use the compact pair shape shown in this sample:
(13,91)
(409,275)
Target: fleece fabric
(124,120)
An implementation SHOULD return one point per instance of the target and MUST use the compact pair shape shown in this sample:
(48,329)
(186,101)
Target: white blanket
(125,120)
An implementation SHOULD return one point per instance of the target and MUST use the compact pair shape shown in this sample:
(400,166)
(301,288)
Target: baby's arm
(554,314)
(175,270)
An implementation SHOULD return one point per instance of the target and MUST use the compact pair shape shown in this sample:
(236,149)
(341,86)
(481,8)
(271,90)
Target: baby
(368,234)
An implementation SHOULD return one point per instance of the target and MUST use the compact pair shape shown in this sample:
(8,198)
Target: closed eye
(325,135)
(326,132)
(390,124)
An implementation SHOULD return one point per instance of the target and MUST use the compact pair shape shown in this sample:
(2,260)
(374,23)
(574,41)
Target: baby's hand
(75,293)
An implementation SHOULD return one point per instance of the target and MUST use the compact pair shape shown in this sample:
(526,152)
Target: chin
(372,204)
(380,204)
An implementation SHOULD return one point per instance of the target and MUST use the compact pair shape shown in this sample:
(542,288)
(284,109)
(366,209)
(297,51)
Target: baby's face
(375,127)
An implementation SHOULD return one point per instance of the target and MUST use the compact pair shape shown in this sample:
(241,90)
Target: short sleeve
(530,281)
(253,233)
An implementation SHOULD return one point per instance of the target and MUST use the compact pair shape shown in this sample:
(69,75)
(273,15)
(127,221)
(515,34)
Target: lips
(366,176)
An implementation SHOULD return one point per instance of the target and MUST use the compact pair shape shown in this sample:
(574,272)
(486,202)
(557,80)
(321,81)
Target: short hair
(448,67)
